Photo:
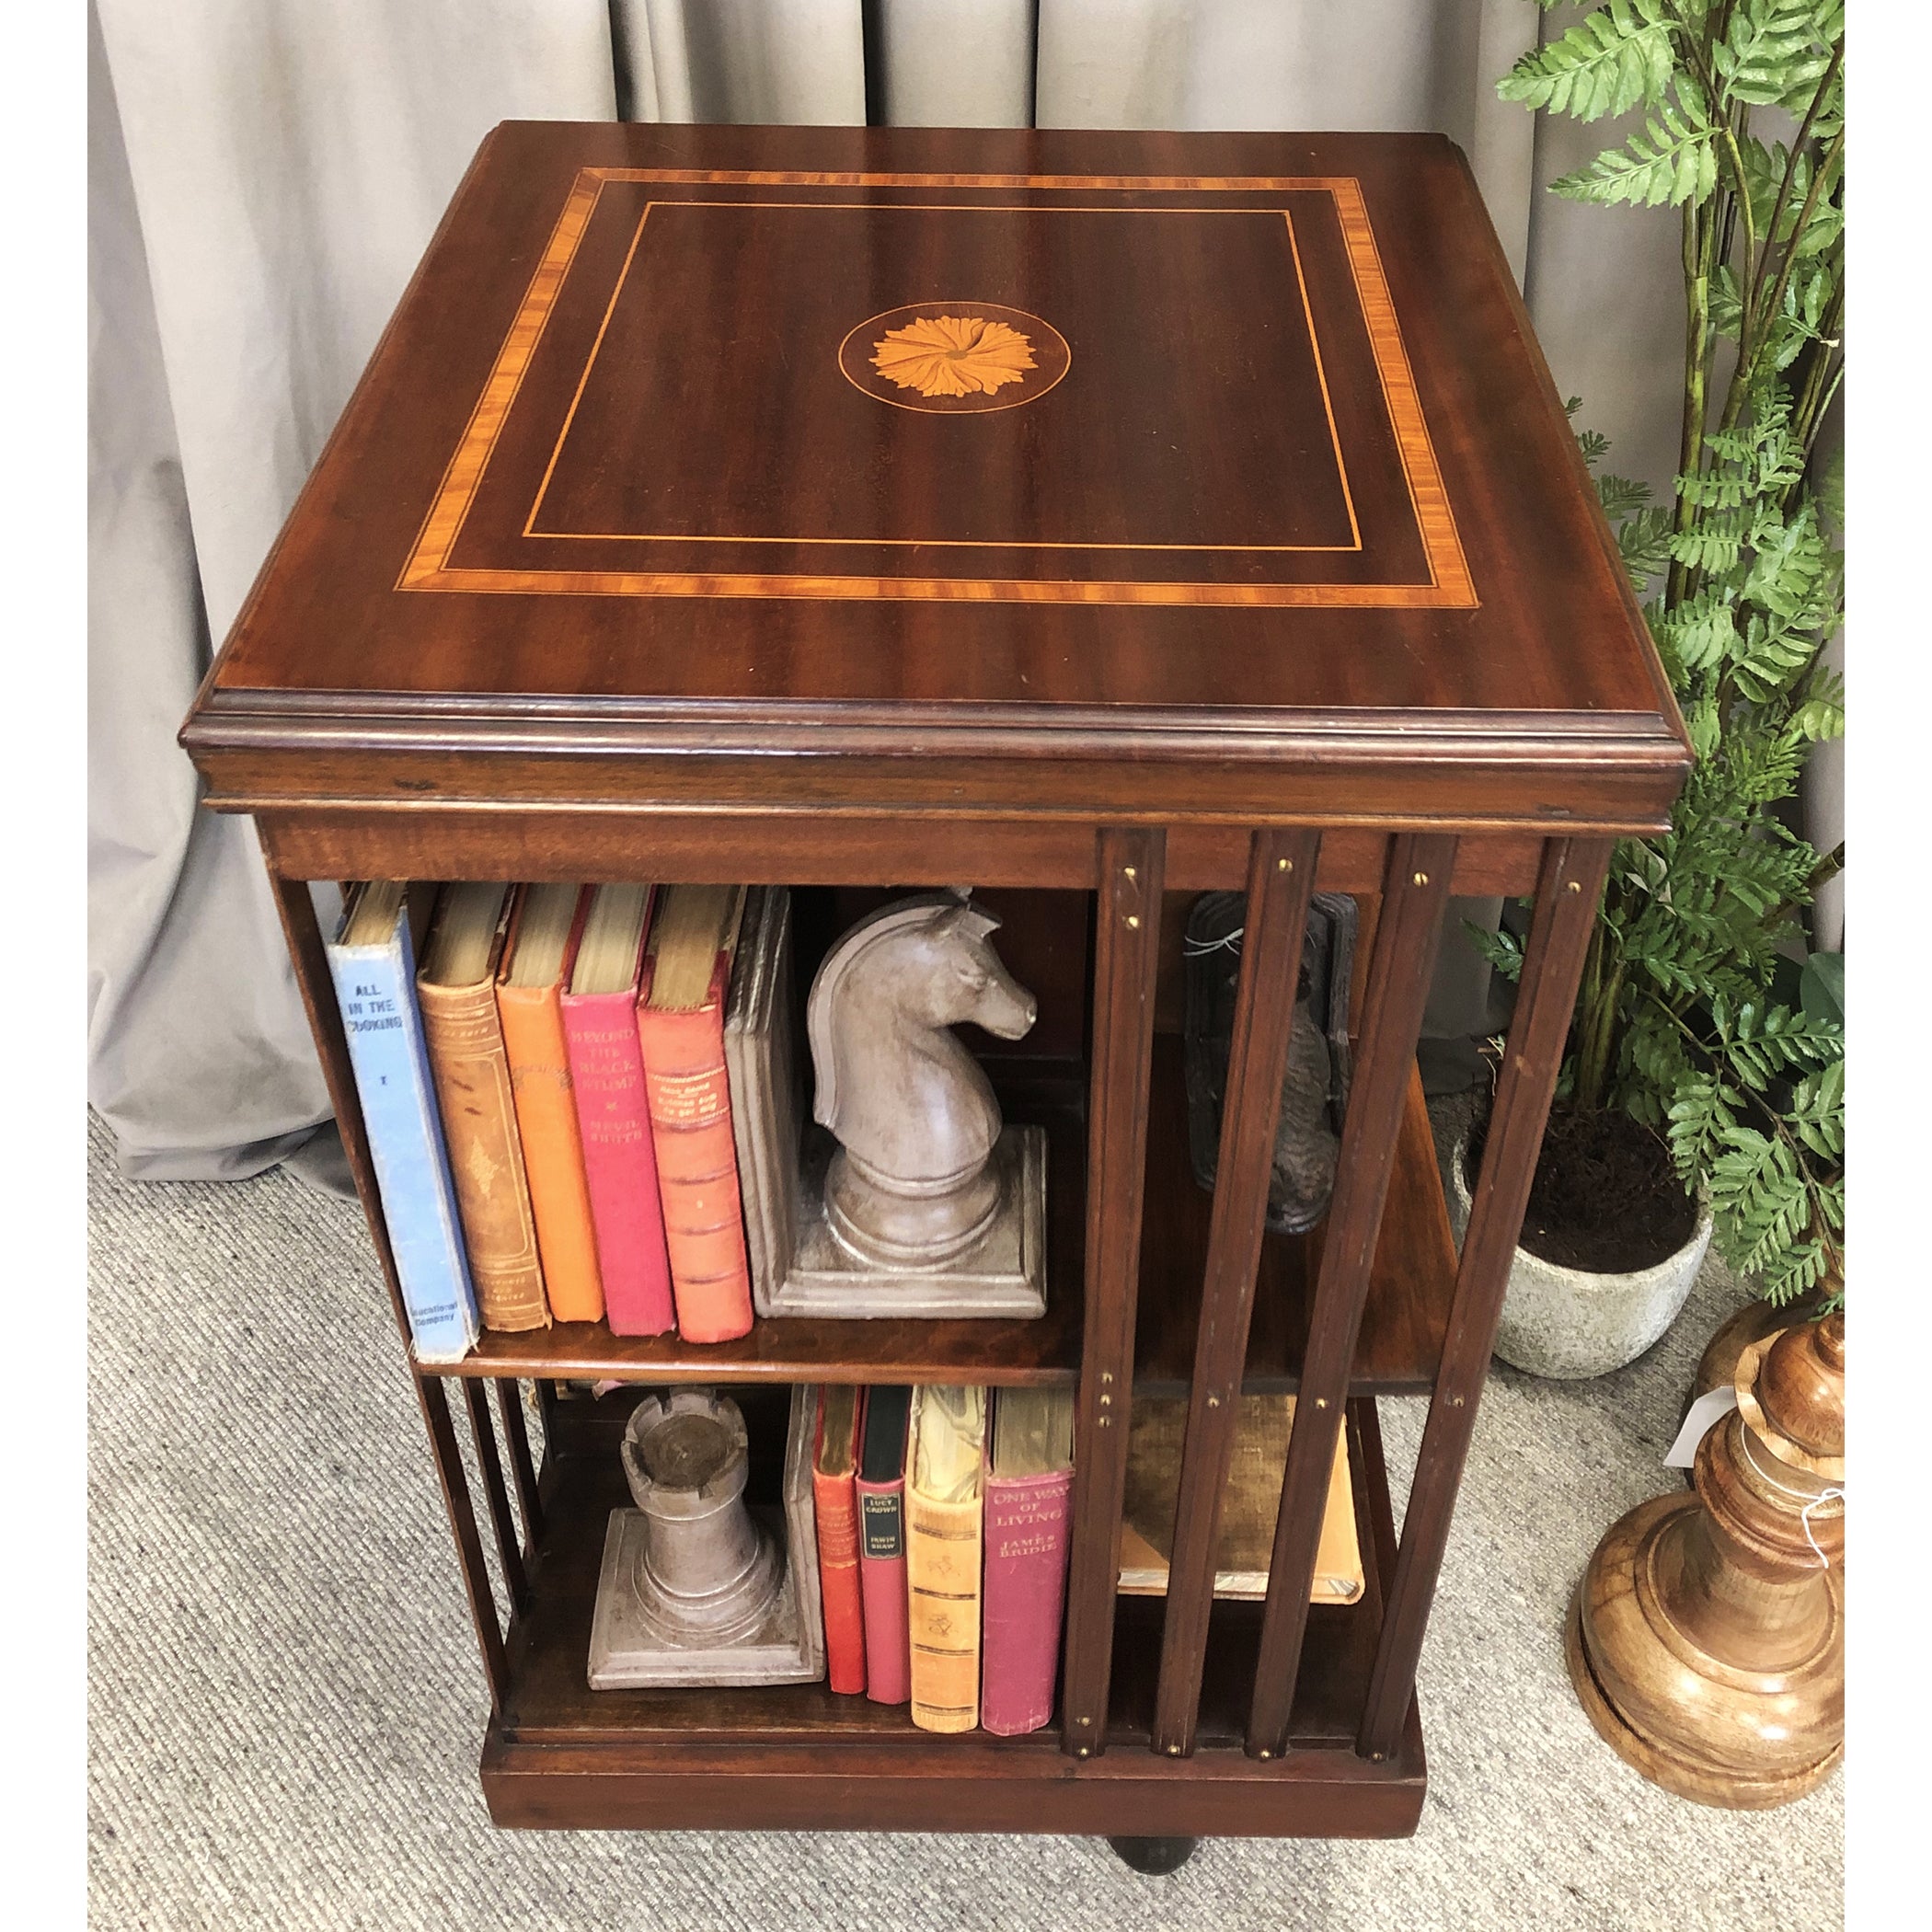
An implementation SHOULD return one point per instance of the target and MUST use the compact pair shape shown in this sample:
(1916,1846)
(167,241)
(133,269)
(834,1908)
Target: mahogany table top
(1123,442)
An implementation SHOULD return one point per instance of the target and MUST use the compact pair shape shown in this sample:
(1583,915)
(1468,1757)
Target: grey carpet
(285,1705)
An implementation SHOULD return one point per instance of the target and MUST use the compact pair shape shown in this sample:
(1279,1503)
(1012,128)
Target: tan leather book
(455,988)
(546,928)
(1249,1504)
(944,1478)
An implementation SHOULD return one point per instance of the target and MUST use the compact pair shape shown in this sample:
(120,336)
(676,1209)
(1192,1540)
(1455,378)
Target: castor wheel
(1156,1856)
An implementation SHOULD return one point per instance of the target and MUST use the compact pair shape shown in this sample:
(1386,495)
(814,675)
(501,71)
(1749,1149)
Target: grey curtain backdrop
(264,175)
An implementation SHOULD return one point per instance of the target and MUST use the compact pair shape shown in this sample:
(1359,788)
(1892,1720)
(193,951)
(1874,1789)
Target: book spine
(375,991)
(1026,1597)
(480,1129)
(553,1148)
(690,1097)
(620,1168)
(882,1586)
(837,1511)
(942,1570)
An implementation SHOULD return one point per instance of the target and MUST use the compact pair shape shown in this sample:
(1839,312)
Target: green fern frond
(1606,63)
(1673,161)
(1770,52)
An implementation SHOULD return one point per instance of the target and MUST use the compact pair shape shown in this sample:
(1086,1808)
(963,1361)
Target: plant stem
(1784,187)
(1597,1017)
(1699,236)
(1819,173)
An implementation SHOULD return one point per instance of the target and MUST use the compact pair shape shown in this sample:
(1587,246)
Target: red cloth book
(835,1467)
(1029,1486)
(881,1545)
(607,1077)
(681,1028)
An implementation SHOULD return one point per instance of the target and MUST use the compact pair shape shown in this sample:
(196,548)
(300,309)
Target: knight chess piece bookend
(1706,1640)
(910,1197)
(698,1586)
(1314,1087)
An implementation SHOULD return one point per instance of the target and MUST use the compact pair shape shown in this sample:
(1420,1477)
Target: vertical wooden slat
(510,1405)
(1280,878)
(1126,957)
(1415,890)
(1567,894)
(469,1544)
(310,958)
(491,1465)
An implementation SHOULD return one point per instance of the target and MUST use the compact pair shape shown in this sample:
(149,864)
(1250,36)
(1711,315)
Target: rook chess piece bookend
(1707,1639)
(697,1587)
(707,1571)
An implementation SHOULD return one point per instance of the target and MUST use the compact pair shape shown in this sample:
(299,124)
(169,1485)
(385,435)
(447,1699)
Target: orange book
(681,1008)
(545,924)
(454,992)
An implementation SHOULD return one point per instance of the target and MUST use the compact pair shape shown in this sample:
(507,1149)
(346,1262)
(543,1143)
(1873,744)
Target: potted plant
(1706,1061)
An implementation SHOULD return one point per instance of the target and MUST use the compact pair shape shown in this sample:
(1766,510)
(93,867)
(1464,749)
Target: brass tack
(1130,871)
(1214,1401)
(1173,1750)
(1082,1752)
(1132,920)
(1422,878)
(1105,1400)
(1106,1374)
(1576,885)
(1087,1721)
(1321,1401)
(1455,1401)
(1377,1756)
(1286,865)
(1265,1754)
(1103,1422)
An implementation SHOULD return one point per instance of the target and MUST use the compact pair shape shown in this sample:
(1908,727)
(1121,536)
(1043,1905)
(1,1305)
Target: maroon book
(1026,1538)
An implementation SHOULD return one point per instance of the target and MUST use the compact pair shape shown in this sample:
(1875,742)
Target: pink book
(1030,1481)
(881,1545)
(620,1169)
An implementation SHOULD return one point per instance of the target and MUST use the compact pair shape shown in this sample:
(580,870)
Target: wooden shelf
(561,1754)
(785,1348)
(1410,1289)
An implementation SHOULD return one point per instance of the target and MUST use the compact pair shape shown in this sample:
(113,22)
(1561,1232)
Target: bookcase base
(968,1783)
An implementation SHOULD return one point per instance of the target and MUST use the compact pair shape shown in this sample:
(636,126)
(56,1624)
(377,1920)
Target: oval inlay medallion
(954,358)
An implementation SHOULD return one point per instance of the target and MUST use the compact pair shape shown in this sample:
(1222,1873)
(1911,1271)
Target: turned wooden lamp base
(1706,1640)
(1674,1770)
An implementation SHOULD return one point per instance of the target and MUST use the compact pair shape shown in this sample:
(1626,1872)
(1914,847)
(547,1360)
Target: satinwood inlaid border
(1449,584)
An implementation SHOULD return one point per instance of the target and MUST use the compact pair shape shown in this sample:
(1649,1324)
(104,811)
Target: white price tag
(1705,1412)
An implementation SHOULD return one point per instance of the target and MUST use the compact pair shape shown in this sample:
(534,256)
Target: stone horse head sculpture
(913,1113)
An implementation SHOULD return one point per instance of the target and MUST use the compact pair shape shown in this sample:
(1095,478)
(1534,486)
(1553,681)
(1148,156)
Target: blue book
(372,963)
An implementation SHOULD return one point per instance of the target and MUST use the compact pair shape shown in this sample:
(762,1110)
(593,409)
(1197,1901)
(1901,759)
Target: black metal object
(1315,1092)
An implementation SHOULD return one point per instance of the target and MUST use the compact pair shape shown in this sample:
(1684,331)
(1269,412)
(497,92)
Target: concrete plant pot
(1570,1323)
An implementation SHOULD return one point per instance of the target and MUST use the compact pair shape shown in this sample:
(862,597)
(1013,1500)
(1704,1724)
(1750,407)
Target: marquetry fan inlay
(953,355)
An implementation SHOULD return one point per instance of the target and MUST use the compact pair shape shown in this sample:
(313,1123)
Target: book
(882,1542)
(835,1467)
(620,1168)
(687,971)
(1029,1479)
(1249,1503)
(546,926)
(455,987)
(767,1096)
(945,1462)
(372,963)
